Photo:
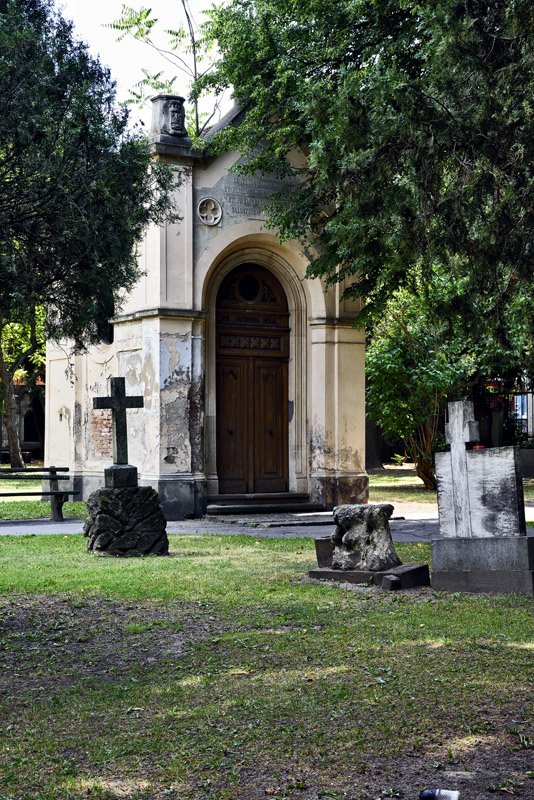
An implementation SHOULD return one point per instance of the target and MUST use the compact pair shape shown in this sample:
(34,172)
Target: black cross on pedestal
(119,402)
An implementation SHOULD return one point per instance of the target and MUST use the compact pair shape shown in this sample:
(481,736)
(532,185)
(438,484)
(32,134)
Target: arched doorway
(252,352)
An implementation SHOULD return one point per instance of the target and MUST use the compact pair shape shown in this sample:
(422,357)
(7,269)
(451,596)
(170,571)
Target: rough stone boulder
(126,522)
(362,539)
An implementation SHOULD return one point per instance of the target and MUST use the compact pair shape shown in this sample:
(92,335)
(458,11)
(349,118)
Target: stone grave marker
(125,519)
(361,550)
(483,545)
(121,473)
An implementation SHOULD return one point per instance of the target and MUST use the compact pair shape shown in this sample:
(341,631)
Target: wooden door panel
(252,350)
(232,450)
(270,426)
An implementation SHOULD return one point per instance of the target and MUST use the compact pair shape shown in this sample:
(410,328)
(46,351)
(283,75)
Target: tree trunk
(420,449)
(372,451)
(38,411)
(10,415)
(425,471)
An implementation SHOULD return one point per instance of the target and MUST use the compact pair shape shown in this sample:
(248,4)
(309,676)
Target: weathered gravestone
(361,550)
(483,545)
(124,519)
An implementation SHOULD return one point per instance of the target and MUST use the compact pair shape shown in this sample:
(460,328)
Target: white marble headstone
(480,492)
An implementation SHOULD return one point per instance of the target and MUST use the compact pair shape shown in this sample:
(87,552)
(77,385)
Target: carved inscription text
(246,196)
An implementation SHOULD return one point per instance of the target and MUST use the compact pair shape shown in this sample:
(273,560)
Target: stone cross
(460,430)
(119,402)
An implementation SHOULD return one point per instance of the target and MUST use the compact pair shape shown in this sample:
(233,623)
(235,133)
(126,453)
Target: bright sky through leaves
(126,58)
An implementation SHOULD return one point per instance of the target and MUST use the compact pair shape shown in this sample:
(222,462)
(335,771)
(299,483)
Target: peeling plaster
(320,452)
(175,431)
(347,459)
(182,403)
(196,425)
(64,415)
(175,350)
(324,455)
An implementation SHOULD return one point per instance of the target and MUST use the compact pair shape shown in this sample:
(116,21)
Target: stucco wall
(165,348)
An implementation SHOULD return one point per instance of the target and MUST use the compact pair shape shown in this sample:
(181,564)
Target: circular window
(209,211)
(249,287)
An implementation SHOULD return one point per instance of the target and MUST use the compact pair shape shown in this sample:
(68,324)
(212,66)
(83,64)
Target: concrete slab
(287,519)
(409,575)
(497,553)
(485,581)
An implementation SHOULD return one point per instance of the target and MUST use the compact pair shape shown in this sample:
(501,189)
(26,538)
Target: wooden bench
(57,496)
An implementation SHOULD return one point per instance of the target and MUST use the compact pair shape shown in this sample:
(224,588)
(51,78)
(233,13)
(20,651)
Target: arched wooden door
(252,333)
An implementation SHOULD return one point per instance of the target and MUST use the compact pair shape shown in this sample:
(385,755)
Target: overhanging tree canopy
(77,188)
(416,119)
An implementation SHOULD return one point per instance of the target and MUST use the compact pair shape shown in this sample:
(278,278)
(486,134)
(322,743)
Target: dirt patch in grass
(47,643)
(489,773)
(106,699)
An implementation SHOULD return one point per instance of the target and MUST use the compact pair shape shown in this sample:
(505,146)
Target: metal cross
(461,429)
(118,402)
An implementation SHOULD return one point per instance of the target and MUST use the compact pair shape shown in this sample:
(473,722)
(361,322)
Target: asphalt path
(281,526)
(401,530)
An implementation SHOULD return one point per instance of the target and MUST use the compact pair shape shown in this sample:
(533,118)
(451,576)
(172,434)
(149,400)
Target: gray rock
(126,522)
(362,539)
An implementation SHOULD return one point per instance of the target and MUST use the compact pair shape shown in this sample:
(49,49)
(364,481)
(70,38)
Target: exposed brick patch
(101,432)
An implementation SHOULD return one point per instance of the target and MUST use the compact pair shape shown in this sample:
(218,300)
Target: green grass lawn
(398,485)
(403,485)
(37,509)
(31,507)
(224,672)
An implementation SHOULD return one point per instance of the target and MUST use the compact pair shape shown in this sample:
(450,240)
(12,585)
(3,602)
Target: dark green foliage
(413,365)
(416,122)
(76,187)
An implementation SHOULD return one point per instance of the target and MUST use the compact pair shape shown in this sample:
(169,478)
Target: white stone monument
(483,545)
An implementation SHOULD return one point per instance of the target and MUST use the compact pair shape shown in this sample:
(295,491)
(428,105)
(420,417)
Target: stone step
(259,507)
(261,503)
(254,497)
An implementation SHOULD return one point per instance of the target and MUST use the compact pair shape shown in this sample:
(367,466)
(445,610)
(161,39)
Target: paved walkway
(283,526)
(422,528)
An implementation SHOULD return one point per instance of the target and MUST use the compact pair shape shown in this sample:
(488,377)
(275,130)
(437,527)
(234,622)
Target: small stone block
(391,583)
(120,476)
(324,550)
(409,575)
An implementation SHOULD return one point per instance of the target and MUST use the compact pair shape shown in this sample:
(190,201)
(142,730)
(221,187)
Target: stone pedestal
(406,576)
(494,564)
(119,476)
(126,522)
(361,550)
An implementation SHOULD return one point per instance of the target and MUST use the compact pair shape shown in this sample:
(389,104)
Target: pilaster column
(337,418)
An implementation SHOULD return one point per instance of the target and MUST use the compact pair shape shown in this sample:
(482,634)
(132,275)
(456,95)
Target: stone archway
(252,353)
(287,277)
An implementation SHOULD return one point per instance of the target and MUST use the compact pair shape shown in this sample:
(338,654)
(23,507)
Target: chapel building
(252,376)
